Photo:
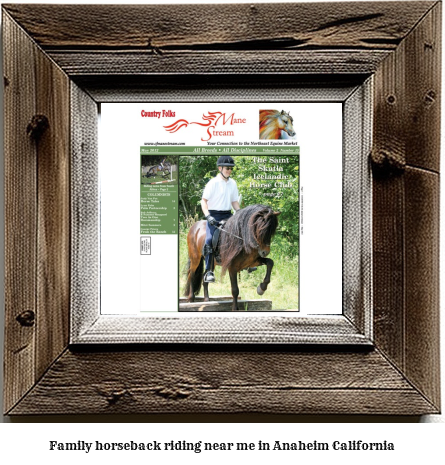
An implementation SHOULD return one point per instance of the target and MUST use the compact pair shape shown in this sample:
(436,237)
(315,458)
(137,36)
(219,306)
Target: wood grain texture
(423,91)
(37,215)
(215,381)
(53,225)
(357,209)
(389,157)
(85,286)
(422,364)
(406,205)
(127,50)
(255,305)
(200,298)
(20,213)
(164,39)
(274,330)
(388,268)
(79,63)
(158,27)
(407,108)
(218,87)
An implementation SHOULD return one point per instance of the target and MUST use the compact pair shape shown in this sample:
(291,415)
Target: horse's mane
(268,124)
(256,224)
(266,120)
(268,113)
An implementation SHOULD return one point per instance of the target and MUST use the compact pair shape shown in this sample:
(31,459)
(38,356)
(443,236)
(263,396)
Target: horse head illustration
(273,123)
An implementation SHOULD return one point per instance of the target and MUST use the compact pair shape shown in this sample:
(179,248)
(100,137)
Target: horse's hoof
(259,290)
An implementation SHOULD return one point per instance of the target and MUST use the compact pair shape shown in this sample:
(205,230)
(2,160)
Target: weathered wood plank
(407,133)
(388,268)
(85,268)
(422,281)
(256,329)
(349,25)
(390,112)
(223,382)
(78,62)
(423,92)
(407,111)
(200,298)
(357,209)
(20,213)
(37,193)
(219,87)
(388,200)
(255,305)
(116,399)
(401,376)
(53,227)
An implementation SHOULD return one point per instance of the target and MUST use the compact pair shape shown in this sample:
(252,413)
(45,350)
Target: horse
(244,243)
(274,124)
(164,166)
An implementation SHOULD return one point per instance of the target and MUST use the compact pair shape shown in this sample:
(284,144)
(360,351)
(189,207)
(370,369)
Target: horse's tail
(194,278)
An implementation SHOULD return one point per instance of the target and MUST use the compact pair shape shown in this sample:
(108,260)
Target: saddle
(215,243)
(215,247)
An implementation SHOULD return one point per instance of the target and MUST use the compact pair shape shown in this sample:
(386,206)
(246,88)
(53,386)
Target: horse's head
(286,123)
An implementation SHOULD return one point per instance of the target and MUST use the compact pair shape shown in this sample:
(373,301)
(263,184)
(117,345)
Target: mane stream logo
(211,121)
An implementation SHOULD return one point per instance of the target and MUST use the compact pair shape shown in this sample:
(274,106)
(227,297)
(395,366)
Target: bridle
(262,253)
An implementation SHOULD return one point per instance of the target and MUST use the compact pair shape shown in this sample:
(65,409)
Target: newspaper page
(271,179)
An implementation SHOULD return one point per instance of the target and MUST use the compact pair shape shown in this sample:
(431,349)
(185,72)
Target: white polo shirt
(220,193)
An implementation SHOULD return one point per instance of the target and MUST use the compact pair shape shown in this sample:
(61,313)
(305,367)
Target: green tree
(282,195)
(195,172)
(153,160)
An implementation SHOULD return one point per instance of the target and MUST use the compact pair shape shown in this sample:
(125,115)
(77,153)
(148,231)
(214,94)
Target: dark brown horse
(244,243)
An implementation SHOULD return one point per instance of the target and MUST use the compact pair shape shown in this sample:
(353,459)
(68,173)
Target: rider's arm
(204,206)
(235,205)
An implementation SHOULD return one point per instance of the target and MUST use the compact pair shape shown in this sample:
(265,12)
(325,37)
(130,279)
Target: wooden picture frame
(384,360)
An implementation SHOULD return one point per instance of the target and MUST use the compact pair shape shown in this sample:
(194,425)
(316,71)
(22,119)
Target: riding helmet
(225,160)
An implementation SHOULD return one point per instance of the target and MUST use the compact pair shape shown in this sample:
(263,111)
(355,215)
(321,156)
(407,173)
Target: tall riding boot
(209,277)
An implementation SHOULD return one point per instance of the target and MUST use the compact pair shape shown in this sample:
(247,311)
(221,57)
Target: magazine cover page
(226,198)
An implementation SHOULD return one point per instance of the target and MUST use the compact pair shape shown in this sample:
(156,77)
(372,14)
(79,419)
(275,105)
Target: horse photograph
(243,243)
(276,125)
(159,169)
(255,251)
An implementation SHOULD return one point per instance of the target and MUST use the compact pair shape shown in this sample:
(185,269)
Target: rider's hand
(211,220)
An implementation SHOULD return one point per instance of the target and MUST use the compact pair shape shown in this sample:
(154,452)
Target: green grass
(282,290)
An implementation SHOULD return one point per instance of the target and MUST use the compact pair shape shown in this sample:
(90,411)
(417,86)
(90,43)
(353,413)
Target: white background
(29,443)
(130,282)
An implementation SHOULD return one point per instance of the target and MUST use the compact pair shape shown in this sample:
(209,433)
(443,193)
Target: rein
(234,235)
(261,251)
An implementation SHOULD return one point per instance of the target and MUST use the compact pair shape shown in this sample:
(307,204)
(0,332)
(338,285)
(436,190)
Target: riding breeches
(219,216)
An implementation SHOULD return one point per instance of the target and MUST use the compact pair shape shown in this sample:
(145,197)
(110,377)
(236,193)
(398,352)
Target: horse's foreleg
(235,290)
(263,286)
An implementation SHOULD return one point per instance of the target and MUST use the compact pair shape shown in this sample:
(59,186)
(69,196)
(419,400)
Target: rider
(219,196)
